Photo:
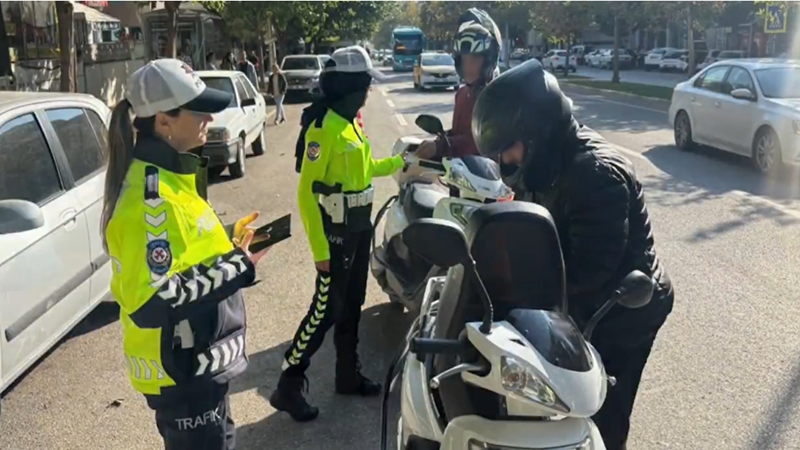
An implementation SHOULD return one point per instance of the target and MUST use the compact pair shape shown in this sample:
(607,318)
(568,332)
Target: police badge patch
(313,151)
(159,256)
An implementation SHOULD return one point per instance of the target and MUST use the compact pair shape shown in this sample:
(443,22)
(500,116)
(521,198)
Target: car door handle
(693,99)
(69,217)
(717,104)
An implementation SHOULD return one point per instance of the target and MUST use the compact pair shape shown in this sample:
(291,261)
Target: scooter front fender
(565,434)
(416,407)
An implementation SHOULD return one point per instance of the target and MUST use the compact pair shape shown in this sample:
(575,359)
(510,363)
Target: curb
(627,94)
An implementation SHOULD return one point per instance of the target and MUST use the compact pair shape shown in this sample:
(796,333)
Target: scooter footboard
(565,434)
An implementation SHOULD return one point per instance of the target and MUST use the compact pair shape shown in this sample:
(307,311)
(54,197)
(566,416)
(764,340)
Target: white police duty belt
(336,205)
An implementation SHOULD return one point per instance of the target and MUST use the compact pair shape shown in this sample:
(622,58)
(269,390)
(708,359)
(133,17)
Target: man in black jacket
(598,206)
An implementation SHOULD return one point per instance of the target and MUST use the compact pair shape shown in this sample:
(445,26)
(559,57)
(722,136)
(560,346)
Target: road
(634,76)
(724,372)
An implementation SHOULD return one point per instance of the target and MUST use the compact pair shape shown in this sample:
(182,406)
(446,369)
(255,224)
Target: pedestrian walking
(277,88)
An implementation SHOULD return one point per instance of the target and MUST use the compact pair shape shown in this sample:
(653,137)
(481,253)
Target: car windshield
(438,60)
(658,51)
(223,84)
(779,82)
(561,53)
(301,64)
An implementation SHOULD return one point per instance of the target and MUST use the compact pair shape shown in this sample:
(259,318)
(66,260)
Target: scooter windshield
(555,336)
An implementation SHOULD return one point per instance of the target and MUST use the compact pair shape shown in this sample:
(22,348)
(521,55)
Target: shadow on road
(776,428)
(692,180)
(344,422)
(428,108)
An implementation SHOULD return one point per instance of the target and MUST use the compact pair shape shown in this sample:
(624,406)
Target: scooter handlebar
(436,346)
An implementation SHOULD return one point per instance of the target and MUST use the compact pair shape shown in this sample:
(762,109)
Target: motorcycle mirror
(429,123)
(634,291)
(439,241)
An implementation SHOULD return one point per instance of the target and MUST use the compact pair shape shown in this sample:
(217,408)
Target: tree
(5,56)
(66,43)
(405,13)
(562,21)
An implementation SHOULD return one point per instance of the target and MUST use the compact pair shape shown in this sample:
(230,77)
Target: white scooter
(493,361)
(448,190)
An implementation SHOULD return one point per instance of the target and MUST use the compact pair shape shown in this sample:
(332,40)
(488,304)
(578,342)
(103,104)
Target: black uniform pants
(198,419)
(626,363)
(338,297)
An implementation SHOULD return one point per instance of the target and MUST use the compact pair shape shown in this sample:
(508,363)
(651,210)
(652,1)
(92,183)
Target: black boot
(288,397)
(350,381)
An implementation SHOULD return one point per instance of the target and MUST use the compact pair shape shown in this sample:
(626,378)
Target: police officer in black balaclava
(524,119)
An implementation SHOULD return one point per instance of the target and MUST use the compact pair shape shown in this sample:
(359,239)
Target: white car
(241,125)
(435,70)
(53,270)
(593,57)
(606,59)
(653,57)
(745,106)
(674,61)
(556,59)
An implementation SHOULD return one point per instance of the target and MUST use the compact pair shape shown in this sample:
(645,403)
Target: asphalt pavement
(725,371)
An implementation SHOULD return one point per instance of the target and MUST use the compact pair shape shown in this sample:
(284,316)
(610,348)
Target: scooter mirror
(439,241)
(430,124)
(634,291)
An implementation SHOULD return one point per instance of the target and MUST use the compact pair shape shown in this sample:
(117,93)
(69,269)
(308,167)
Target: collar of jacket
(153,150)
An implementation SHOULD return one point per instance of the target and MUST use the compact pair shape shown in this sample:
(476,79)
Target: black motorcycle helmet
(478,35)
(524,104)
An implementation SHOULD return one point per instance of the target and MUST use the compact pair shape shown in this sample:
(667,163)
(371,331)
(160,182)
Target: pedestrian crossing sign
(775,21)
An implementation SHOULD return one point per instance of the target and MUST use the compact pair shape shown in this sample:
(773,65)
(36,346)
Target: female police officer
(335,196)
(176,275)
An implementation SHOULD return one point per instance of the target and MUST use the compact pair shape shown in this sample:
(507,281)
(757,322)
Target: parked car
(53,270)
(606,60)
(593,57)
(748,106)
(241,125)
(302,72)
(435,70)
(580,52)
(557,59)
(653,57)
(674,61)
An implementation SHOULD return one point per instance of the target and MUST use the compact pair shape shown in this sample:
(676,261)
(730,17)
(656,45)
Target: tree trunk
(262,68)
(566,64)
(690,38)
(172,28)
(5,56)
(66,44)
(615,57)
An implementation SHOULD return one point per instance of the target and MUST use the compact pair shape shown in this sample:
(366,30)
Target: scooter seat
(420,199)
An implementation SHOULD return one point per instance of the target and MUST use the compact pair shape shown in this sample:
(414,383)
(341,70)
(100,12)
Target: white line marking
(270,114)
(400,119)
(390,103)
(384,93)
(612,102)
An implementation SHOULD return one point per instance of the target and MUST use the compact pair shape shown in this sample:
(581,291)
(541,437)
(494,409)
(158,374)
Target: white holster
(336,205)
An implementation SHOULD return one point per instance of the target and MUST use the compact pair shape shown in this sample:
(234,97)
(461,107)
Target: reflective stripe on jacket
(177,276)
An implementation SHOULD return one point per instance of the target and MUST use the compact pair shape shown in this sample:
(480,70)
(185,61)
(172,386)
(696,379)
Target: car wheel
(767,151)
(216,171)
(237,169)
(260,144)
(683,132)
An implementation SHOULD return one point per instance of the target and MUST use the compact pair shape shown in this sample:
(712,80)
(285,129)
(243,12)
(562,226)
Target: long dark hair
(119,155)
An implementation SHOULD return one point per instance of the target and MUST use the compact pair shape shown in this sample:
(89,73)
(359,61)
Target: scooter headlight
(518,379)
(587,444)
(460,181)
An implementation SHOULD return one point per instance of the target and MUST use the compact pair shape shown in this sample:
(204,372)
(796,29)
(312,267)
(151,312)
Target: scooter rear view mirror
(430,124)
(635,290)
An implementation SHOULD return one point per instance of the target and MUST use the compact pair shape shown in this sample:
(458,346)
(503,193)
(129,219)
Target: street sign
(775,21)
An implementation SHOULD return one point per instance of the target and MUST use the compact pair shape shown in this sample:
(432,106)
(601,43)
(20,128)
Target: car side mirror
(441,242)
(743,94)
(430,124)
(248,102)
(17,216)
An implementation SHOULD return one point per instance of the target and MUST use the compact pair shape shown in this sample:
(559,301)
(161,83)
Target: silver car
(746,106)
